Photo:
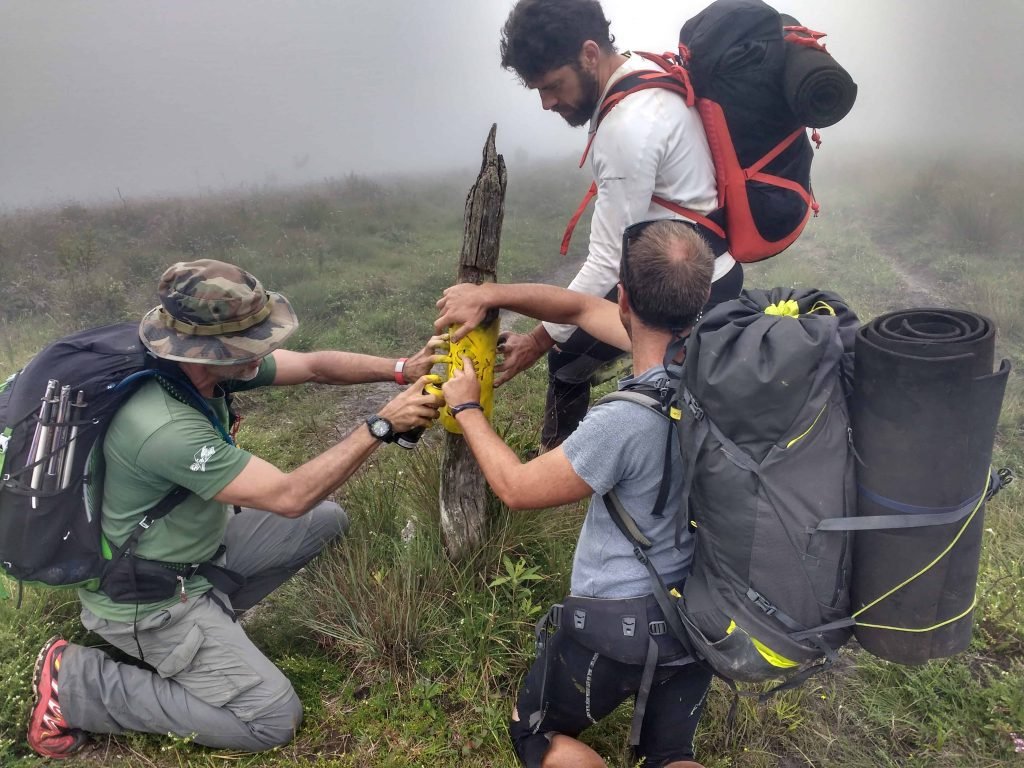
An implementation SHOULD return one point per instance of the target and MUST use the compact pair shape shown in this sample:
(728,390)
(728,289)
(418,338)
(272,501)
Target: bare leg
(567,752)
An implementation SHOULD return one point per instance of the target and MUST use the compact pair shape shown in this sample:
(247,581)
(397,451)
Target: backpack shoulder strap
(159,510)
(658,406)
(633,396)
(669,75)
(178,494)
(666,600)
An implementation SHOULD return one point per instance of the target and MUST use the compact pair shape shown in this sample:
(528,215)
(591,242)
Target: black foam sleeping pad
(925,407)
(818,90)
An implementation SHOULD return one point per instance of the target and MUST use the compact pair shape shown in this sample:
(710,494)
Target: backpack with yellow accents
(764,431)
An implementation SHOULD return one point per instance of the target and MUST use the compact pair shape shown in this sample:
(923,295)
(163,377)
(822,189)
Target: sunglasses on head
(629,236)
(632,233)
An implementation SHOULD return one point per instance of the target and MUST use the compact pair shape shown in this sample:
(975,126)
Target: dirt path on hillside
(920,290)
(922,287)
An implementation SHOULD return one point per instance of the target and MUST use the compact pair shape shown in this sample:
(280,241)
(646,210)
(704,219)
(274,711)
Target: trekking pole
(69,459)
(43,443)
(60,434)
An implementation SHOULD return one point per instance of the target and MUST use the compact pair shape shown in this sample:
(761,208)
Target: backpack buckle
(761,602)
(657,628)
(629,626)
(693,405)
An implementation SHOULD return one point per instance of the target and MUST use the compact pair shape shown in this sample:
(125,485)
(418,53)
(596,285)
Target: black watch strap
(381,428)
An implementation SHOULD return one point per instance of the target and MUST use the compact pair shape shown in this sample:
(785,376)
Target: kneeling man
(582,673)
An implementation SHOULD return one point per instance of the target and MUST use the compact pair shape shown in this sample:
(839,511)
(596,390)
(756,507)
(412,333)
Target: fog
(136,98)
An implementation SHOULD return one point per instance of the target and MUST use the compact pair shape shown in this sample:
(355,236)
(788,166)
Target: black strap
(222,579)
(625,522)
(627,525)
(161,509)
(691,443)
(772,610)
(911,518)
(638,81)
(644,692)
(658,510)
(656,397)
(553,617)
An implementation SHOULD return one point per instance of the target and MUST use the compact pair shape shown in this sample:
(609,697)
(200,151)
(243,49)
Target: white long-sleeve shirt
(649,144)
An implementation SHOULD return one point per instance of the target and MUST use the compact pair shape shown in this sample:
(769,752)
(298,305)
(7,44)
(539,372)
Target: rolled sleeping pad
(817,89)
(925,408)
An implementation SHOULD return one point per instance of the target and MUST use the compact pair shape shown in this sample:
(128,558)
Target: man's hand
(411,407)
(463,305)
(463,386)
(420,363)
(520,351)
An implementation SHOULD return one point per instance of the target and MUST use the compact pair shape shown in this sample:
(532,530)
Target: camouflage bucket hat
(216,313)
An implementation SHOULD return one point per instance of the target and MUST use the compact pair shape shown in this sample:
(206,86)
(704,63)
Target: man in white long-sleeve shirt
(651,145)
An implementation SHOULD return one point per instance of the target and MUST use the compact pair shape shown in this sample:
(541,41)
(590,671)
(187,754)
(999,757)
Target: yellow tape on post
(481,346)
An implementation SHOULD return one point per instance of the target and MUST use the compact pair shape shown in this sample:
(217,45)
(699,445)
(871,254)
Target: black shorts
(584,687)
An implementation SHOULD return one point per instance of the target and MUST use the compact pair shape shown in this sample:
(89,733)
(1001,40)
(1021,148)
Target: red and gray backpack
(758,80)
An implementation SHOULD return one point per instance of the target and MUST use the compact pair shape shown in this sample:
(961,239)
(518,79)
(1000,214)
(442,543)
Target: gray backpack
(764,433)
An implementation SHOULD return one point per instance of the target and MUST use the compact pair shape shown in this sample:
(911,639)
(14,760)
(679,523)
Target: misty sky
(146,97)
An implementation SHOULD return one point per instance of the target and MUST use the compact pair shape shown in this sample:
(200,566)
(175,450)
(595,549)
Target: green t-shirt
(154,444)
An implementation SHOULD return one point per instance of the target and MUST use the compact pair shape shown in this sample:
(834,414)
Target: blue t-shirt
(621,445)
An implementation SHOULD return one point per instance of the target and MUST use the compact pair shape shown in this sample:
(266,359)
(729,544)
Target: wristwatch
(381,429)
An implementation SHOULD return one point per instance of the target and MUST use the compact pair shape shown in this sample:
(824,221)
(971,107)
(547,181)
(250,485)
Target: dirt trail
(920,291)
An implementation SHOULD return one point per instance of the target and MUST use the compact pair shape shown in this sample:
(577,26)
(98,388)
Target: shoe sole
(37,679)
(37,673)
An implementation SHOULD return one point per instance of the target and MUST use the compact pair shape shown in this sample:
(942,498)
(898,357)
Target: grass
(403,658)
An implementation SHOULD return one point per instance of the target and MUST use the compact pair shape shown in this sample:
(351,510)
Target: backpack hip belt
(630,630)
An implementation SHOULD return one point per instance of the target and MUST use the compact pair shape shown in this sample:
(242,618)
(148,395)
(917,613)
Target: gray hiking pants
(210,681)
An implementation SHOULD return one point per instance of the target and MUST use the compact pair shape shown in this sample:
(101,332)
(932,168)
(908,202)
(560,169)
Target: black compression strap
(162,508)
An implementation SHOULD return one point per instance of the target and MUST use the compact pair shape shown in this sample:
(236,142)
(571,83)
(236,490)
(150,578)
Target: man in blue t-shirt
(583,675)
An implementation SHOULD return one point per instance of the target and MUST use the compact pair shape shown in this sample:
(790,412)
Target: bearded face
(579,112)
(570,90)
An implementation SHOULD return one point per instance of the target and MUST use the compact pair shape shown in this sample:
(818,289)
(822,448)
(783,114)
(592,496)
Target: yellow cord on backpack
(787,308)
(898,587)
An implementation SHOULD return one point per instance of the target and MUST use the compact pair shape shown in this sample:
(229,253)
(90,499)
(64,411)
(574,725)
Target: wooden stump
(463,493)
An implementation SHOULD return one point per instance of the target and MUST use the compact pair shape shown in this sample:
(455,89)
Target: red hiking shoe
(48,732)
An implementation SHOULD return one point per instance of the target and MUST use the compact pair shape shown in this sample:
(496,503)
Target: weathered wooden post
(463,490)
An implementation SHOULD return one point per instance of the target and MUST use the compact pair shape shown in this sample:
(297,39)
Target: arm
(466,304)
(547,481)
(335,367)
(292,494)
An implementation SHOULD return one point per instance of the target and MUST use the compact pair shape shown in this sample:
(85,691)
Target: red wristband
(400,371)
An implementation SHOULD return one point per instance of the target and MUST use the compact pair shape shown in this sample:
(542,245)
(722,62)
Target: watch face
(380,427)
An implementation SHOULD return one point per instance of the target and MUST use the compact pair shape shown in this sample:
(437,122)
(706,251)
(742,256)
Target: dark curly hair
(666,269)
(542,35)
